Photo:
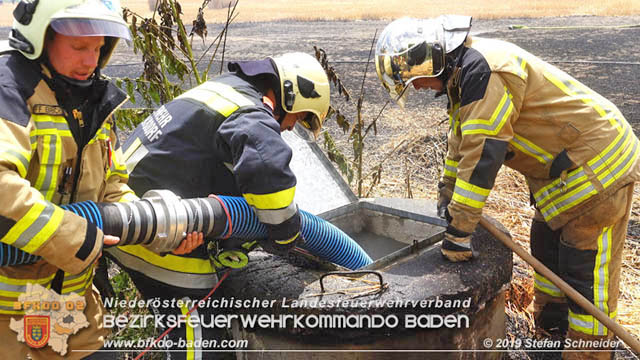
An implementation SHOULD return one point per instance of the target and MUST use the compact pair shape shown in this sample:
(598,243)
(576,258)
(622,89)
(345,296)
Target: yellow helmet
(32,18)
(409,49)
(304,86)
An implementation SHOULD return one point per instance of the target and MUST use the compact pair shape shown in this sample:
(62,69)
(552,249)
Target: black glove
(282,237)
(443,210)
(443,203)
(456,245)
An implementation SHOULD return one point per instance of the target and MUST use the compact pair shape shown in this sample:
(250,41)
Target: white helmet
(68,17)
(409,49)
(304,86)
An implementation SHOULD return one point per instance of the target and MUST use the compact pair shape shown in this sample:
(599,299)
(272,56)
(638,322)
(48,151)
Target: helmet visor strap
(401,96)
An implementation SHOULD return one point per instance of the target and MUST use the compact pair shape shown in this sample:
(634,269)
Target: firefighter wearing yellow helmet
(304,87)
(223,137)
(57,141)
(574,147)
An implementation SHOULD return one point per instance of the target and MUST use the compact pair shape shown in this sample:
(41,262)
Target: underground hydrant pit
(429,304)
(385,233)
(377,246)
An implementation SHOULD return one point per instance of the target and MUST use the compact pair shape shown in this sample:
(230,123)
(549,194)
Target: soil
(604,57)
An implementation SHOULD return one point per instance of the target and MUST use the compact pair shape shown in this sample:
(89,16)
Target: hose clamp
(171,220)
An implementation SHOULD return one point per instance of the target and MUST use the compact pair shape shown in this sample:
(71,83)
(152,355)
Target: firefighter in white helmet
(223,137)
(574,147)
(57,141)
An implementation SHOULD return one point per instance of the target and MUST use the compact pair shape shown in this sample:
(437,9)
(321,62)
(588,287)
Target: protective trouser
(586,253)
(184,342)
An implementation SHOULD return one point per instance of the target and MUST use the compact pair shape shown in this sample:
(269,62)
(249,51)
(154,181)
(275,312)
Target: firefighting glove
(282,237)
(443,211)
(456,246)
(443,203)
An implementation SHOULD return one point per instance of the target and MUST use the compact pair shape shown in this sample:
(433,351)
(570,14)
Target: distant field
(260,10)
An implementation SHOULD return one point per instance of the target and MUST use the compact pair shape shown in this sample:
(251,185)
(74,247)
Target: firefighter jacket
(573,146)
(218,138)
(41,167)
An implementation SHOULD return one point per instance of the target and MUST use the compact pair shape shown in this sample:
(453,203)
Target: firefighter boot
(580,346)
(550,313)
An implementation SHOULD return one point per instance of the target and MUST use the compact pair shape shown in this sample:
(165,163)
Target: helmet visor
(90,27)
(391,79)
(409,49)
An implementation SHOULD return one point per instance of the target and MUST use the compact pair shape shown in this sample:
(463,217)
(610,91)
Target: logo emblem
(36,330)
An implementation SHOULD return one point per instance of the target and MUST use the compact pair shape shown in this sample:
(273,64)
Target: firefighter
(223,137)
(574,147)
(57,141)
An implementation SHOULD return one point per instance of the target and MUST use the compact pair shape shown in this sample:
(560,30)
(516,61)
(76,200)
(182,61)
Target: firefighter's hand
(110,240)
(189,243)
(456,248)
(443,211)
(107,241)
(282,237)
(443,202)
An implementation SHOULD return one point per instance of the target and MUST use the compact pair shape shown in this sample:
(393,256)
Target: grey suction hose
(159,221)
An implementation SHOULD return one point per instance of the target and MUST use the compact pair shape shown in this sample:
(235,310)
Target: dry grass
(260,10)
(629,302)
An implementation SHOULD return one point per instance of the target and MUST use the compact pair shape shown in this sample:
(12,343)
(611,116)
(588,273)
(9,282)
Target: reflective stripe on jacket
(38,163)
(217,138)
(573,146)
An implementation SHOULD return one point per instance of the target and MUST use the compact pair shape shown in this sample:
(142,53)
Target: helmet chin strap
(78,84)
(73,83)
(452,60)
(270,99)
(83,84)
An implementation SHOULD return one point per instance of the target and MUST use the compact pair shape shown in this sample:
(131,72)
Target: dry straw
(260,10)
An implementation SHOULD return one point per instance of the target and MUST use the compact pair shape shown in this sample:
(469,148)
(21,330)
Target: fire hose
(160,220)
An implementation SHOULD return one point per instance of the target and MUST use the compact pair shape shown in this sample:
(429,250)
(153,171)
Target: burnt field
(604,57)
(592,49)
(595,50)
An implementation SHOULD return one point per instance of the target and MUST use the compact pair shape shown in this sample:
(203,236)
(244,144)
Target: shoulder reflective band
(219,97)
